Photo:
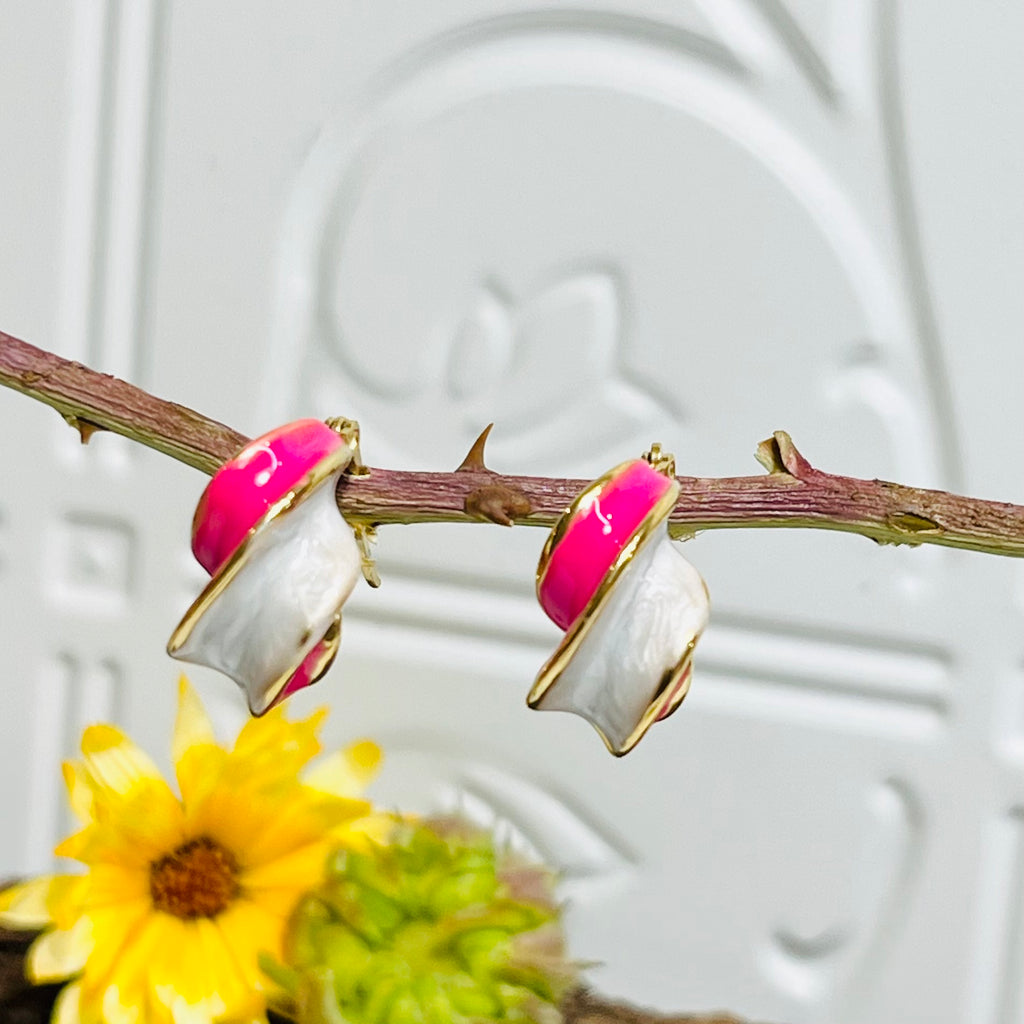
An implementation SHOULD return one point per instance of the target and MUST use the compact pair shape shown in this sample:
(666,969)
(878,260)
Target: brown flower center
(199,879)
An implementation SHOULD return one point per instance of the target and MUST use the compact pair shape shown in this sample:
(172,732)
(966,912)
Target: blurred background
(599,225)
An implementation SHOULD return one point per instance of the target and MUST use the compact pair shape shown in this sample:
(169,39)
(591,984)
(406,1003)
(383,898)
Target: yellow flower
(181,895)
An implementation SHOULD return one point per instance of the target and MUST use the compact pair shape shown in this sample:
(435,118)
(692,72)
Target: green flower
(433,928)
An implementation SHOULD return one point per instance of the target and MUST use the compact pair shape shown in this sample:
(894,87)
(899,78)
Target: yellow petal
(239,993)
(206,1011)
(192,724)
(66,898)
(301,869)
(126,971)
(66,1009)
(80,794)
(76,845)
(371,829)
(305,818)
(200,771)
(113,885)
(115,1012)
(199,979)
(58,954)
(132,829)
(26,905)
(273,748)
(346,772)
(113,762)
(234,818)
(197,757)
(115,928)
(248,928)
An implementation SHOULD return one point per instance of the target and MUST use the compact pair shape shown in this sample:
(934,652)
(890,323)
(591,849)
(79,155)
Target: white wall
(600,225)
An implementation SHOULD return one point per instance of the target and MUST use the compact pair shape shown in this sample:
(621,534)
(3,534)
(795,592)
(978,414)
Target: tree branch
(92,401)
(792,494)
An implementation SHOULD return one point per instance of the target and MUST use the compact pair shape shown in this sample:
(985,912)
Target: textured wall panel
(599,226)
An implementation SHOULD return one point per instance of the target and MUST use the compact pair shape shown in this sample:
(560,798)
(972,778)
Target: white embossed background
(598,224)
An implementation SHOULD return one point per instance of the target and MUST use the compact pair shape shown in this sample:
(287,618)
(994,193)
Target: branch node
(474,460)
(912,522)
(497,503)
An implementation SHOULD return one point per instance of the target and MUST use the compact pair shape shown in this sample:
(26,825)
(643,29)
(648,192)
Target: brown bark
(792,494)
(92,401)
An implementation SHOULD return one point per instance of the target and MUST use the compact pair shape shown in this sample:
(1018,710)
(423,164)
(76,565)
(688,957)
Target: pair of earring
(283,562)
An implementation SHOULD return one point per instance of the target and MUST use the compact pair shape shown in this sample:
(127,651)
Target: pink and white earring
(631,605)
(282,560)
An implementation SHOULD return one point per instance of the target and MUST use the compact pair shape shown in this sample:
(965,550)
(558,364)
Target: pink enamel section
(244,488)
(302,676)
(594,538)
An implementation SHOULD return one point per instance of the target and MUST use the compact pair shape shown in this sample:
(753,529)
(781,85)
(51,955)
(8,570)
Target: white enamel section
(658,606)
(299,571)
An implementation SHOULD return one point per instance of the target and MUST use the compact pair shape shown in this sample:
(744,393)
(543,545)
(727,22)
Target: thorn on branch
(85,428)
(780,456)
(495,502)
(474,460)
